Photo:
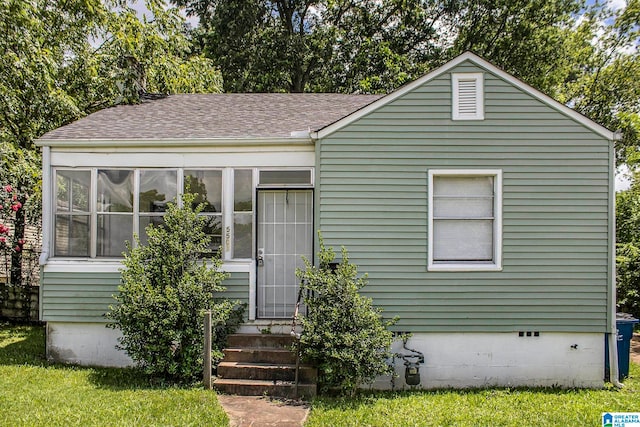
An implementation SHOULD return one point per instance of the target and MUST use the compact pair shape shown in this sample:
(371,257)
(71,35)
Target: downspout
(613,334)
(46,218)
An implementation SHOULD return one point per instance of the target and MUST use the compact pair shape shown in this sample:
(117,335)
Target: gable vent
(468,99)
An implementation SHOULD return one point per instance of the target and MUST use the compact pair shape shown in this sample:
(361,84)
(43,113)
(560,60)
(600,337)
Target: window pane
(145,221)
(113,232)
(213,228)
(242,190)
(115,191)
(208,185)
(72,235)
(242,241)
(462,240)
(72,191)
(285,177)
(463,207)
(463,185)
(157,188)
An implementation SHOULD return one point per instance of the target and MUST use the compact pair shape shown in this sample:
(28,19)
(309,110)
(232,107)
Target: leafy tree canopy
(324,46)
(51,73)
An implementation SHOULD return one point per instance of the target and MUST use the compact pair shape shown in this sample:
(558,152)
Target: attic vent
(468,102)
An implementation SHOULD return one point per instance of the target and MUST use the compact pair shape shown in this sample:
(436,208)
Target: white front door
(285,235)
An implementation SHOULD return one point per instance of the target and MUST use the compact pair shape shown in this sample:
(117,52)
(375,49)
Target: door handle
(260,257)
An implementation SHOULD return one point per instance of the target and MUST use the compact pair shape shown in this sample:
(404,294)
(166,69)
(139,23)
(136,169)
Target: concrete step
(260,355)
(260,341)
(244,387)
(265,371)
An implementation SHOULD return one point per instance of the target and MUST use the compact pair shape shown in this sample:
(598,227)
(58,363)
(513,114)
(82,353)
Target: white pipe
(613,358)
(613,335)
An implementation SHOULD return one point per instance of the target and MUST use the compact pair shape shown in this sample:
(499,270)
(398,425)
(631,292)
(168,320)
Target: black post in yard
(207,350)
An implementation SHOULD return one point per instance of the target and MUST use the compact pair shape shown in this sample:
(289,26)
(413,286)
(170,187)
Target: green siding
(372,198)
(86,296)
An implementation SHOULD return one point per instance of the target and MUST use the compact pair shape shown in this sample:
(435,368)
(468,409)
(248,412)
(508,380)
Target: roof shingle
(198,116)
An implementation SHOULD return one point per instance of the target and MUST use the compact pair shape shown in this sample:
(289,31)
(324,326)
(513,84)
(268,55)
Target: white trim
(93,214)
(159,142)
(497,222)
(478,80)
(467,56)
(82,266)
(614,369)
(272,158)
(252,289)
(47,192)
(114,266)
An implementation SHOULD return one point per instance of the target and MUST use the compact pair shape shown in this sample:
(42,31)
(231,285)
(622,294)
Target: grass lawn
(493,407)
(35,393)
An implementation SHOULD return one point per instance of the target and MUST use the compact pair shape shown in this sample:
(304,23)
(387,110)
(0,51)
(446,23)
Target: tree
(148,55)
(602,74)
(50,75)
(328,46)
(628,249)
(524,37)
(166,287)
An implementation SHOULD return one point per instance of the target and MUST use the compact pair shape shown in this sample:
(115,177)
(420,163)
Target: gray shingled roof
(214,116)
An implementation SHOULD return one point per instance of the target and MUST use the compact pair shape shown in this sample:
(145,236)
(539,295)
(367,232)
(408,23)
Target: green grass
(490,407)
(35,393)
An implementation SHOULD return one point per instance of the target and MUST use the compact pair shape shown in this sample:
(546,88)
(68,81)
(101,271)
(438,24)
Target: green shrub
(342,333)
(628,278)
(166,287)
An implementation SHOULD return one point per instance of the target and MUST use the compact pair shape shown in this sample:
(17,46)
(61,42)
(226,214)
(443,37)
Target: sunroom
(253,214)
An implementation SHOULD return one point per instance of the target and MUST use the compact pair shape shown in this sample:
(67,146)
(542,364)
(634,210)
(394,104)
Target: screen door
(285,235)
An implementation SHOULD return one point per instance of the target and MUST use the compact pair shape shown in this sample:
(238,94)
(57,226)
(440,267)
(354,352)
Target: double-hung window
(465,219)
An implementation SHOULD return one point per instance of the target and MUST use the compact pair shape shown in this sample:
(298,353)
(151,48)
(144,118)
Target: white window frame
(227,204)
(496,265)
(455,89)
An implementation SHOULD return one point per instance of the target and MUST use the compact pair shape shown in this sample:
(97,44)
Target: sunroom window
(157,188)
(465,219)
(98,210)
(207,185)
(72,214)
(114,211)
(242,213)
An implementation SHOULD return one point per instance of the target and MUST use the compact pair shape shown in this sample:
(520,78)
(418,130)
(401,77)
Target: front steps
(263,364)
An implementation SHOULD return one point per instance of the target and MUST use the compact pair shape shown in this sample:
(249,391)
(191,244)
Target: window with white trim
(468,96)
(465,219)
(98,210)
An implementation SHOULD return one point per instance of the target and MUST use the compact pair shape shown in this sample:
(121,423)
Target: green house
(481,209)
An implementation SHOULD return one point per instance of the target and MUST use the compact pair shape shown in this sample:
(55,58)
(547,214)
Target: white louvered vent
(468,99)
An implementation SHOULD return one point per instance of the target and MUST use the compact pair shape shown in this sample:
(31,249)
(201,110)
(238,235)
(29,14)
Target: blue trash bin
(624,328)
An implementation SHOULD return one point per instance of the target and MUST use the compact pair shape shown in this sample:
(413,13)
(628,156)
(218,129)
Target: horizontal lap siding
(372,198)
(86,296)
(78,297)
